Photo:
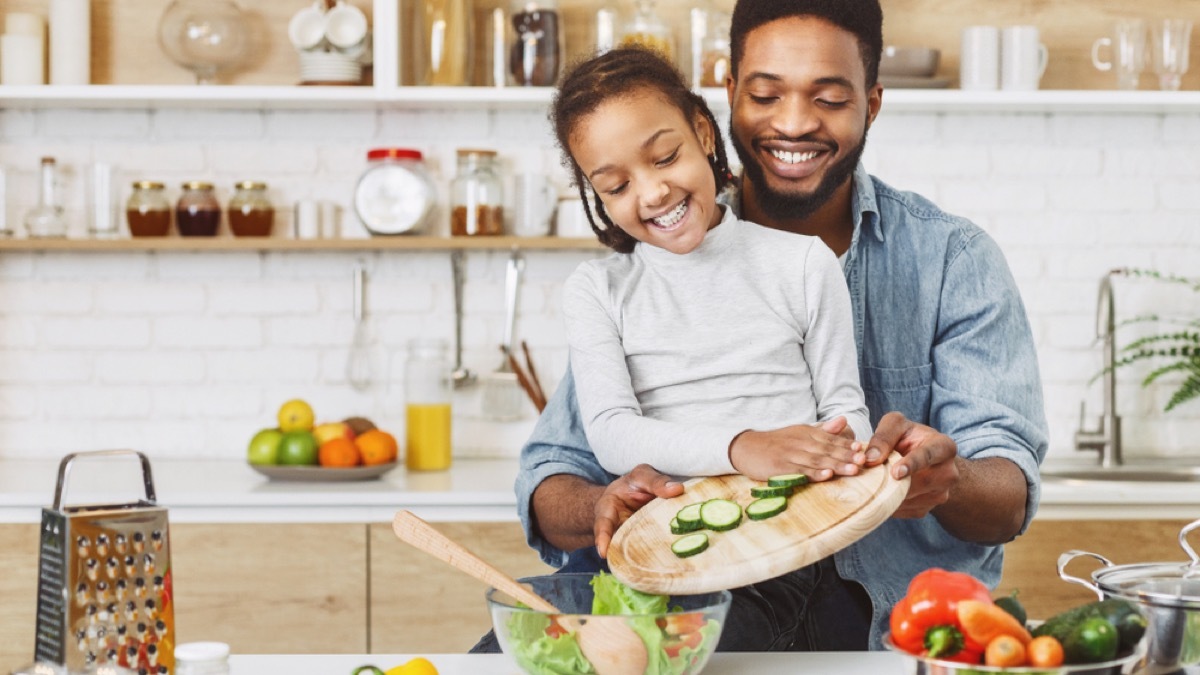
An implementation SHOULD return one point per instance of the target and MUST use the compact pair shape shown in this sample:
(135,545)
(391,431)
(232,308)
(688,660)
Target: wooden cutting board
(821,519)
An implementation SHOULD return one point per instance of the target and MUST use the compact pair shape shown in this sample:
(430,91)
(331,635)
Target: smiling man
(946,356)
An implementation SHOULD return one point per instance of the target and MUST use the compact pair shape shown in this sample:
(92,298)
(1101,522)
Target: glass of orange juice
(427,405)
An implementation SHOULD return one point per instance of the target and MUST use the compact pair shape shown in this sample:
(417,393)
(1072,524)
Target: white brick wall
(187,354)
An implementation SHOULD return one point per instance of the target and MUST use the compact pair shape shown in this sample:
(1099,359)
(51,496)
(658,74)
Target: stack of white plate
(319,67)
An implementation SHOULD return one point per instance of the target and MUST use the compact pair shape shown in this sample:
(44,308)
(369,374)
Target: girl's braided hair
(621,72)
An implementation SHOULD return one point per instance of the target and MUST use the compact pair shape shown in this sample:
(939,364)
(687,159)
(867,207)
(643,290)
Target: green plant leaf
(1189,390)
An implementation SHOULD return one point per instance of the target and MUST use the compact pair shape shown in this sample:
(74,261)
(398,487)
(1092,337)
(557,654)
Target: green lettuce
(537,652)
(613,597)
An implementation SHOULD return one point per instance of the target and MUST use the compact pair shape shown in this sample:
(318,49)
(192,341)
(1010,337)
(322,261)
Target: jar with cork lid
(251,213)
(477,196)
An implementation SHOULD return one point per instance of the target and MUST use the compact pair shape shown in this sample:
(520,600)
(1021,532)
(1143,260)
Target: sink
(1126,473)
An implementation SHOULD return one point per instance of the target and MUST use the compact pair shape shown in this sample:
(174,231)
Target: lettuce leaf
(613,597)
(537,652)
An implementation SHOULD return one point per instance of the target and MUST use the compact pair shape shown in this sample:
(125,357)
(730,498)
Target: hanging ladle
(461,376)
(607,642)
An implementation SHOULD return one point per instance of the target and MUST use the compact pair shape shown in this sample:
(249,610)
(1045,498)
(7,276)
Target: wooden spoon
(608,642)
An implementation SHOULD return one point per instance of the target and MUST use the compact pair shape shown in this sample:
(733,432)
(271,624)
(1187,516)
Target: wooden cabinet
(18,594)
(421,605)
(1030,562)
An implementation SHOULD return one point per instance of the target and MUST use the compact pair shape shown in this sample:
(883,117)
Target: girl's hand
(818,451)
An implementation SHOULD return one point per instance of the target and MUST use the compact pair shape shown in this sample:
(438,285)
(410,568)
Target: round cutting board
(820,519)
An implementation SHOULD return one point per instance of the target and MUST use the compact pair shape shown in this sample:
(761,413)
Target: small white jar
(202,658)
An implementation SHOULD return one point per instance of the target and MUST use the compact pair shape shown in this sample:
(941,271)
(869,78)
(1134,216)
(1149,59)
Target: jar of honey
(251,213)
(198,213)
(148,211)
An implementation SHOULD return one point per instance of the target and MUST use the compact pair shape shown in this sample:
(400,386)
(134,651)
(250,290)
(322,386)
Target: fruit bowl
(679,641)
(918,665)
(322,474)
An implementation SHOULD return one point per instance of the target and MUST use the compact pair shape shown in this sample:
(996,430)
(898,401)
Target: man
(944,348)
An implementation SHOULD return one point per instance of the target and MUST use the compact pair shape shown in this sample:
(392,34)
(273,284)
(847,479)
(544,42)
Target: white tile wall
(187,354)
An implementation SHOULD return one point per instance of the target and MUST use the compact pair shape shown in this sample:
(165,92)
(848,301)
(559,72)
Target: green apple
(298,447)
(264,447)
(330,430)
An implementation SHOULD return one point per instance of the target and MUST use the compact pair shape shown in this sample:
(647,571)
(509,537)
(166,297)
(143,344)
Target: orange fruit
(377,447)
(339,453)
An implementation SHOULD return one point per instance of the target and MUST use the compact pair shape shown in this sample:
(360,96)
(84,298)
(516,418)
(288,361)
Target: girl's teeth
(793,157)
(671,218)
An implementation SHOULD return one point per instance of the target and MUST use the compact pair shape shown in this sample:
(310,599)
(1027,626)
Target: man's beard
(786,206)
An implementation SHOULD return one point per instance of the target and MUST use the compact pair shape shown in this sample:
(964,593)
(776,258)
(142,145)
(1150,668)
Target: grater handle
(64,470)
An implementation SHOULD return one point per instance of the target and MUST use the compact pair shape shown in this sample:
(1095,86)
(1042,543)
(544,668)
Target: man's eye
(669,159)
(833,104)
(762,99)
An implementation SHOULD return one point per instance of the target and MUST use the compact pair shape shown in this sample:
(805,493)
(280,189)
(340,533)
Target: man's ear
(874,102)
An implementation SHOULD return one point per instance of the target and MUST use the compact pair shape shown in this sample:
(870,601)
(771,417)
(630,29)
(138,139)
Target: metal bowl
(918,665)
(909,61)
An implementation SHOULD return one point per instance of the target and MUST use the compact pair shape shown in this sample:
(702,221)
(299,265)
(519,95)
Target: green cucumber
(689,516)
(1122,614)
(760,491)
(792,480)
(690,545)
(720,515)
(1092,640)
(679,528)
(761,509)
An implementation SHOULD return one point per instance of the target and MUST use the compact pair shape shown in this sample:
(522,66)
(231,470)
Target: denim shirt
(942,338)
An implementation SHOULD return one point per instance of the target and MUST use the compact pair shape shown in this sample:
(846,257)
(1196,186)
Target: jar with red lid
(198,213)
(396,194)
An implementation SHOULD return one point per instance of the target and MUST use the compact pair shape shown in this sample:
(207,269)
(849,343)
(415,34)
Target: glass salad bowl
(679,633)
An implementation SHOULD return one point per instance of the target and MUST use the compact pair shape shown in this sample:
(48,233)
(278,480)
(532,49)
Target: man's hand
(818,451)
(929,457)
(626,495)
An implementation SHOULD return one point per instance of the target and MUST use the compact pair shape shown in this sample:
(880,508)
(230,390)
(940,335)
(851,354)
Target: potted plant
(1175,351)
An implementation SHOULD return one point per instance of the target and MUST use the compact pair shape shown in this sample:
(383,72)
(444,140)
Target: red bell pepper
(932,601)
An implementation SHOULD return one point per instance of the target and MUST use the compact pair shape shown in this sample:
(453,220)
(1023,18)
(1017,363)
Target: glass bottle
(536,53)
(198,213)
(148,211)
(446,36)
(46,219)
(427,405)
(251,213)
(714,51)
(476,196)
(648,29)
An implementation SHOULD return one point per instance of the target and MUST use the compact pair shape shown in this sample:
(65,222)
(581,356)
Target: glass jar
(395,195)
(46,219)
(446,41)
(427,405)
(148,211)
(648,29)
(251,213)
(198,213)
(714,51)
(536,53)
(476,196)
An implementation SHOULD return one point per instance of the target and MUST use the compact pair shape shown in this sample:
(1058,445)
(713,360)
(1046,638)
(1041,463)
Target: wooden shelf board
(400,243)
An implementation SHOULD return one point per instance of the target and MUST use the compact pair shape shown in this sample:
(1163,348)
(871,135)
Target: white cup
(345,26)
(533,205)
(979,67)
(21,59)
(1022,58)
(570,220)
(307,27)
(306,219)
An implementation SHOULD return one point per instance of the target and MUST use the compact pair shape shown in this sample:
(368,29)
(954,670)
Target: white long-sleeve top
(674,355)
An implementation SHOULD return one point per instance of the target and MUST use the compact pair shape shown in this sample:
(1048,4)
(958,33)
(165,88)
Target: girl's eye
(617,190)
(666,161)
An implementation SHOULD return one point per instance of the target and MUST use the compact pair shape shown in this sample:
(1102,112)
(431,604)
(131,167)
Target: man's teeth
(669,219)
(793,157)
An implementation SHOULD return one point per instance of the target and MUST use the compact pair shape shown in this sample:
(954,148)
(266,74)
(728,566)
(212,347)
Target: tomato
(555,629)
(678,624)
(689,640)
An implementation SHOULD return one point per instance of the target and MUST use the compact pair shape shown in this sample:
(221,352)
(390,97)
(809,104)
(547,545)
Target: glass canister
(251,213)
(446,40)
(649,30)
(396,193)
(148,211)
(198,213)
(427,405)
(536,53)
(476,196)
(714,51)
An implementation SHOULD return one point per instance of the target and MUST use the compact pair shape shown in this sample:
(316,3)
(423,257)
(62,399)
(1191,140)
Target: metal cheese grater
(104,581)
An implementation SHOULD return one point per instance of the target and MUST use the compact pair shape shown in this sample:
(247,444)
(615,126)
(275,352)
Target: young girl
(705,345)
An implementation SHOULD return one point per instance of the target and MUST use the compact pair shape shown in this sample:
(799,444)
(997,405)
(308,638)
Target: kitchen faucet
(1106,437)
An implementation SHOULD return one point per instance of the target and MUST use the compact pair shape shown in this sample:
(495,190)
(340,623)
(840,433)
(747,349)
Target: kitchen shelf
(152,97)
(399,243)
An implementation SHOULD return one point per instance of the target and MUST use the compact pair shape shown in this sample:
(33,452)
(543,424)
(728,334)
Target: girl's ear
(705,133)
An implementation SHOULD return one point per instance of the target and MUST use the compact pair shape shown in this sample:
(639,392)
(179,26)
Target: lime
(264,447)
(298,447)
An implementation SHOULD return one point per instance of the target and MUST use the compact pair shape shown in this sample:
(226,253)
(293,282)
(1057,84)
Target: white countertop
(472,490)
(813,663)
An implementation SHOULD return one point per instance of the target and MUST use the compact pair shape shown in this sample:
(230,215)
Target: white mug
(979,65)
(1022,58)
(534,200)
(306,29)
(570,220)
(345,26)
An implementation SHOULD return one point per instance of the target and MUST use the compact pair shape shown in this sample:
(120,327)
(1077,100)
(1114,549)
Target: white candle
(70,42)
(21,61)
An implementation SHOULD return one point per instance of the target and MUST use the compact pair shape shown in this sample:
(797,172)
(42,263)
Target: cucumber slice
(690,545)
(689,516)
(679,528)
(792,480)
(720,515)
(761,509)
(760,491)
